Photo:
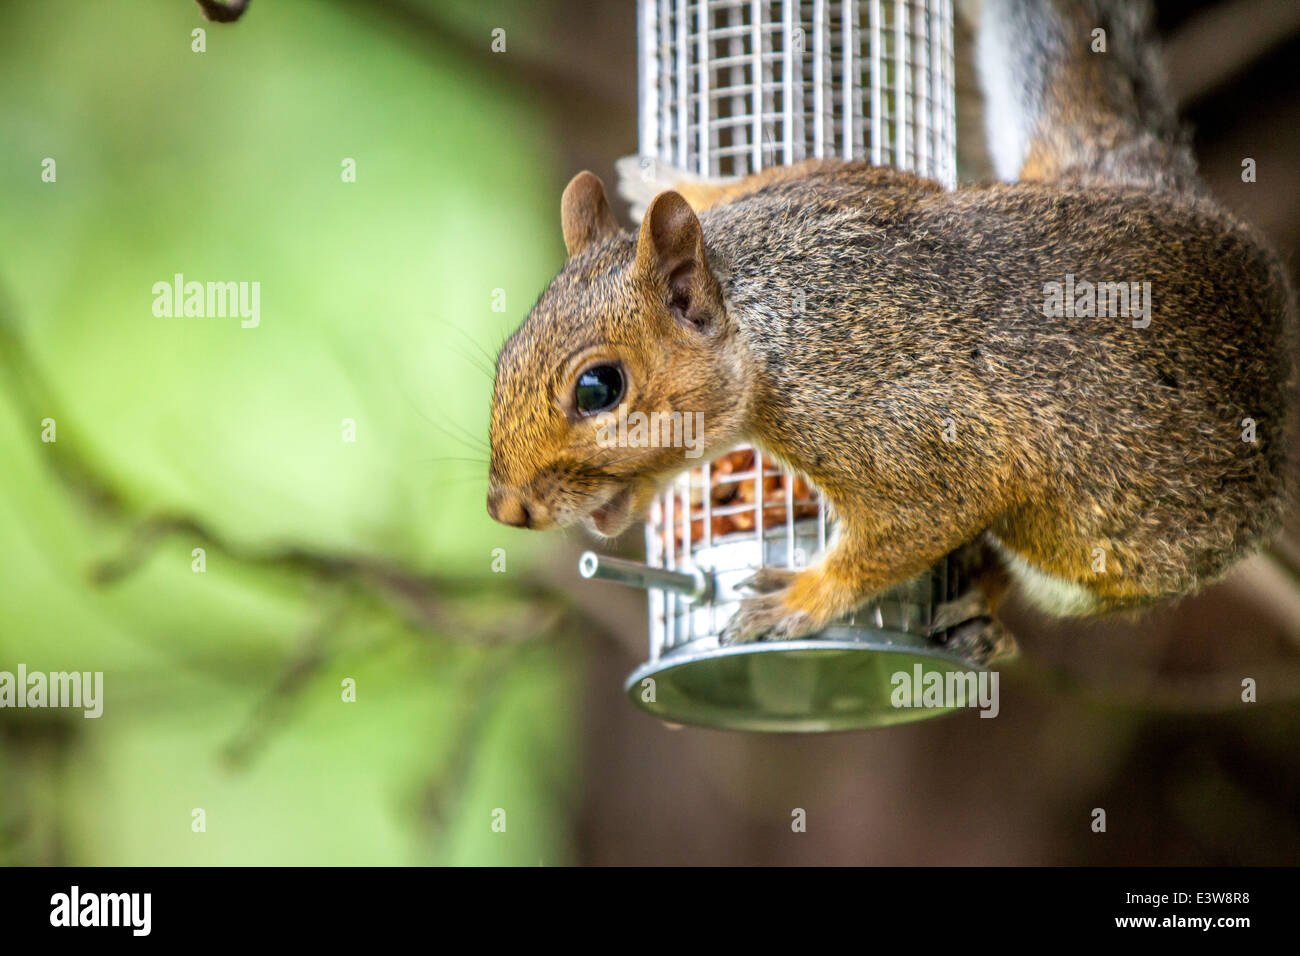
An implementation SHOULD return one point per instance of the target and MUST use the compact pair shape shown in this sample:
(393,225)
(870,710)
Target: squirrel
(944,366)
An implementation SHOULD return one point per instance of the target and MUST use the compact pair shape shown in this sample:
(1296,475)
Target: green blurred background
(223,688)
(478,690)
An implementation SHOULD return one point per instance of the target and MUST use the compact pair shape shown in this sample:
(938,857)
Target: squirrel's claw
(767,580)
(971,630)
(982,640)
(766,617)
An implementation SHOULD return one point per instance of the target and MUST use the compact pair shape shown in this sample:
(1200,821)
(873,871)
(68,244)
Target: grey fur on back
(1096,116)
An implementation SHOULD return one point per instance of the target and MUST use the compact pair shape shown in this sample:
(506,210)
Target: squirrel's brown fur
(888,340)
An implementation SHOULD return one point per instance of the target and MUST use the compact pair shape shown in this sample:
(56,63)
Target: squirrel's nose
(509,508)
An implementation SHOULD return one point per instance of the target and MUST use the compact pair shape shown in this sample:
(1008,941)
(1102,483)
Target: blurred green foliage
(222,689)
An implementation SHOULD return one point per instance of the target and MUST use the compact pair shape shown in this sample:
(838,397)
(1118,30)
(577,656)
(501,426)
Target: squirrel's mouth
(612,517)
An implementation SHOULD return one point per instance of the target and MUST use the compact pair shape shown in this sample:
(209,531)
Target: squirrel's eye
(599,387)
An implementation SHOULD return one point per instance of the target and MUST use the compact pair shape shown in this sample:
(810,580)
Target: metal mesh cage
(745,511)
(729,87)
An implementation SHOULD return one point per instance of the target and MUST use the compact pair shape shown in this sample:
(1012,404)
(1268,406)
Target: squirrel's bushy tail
(1064,102)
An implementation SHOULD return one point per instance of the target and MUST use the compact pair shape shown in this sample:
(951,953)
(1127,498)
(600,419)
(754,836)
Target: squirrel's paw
(767,580)
(967,626)
(767,617)
(982,640)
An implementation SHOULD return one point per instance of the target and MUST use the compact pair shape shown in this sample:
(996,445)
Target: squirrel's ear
(585,215)
(671,245)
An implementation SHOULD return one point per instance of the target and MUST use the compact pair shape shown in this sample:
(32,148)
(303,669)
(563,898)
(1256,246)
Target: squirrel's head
(627,371)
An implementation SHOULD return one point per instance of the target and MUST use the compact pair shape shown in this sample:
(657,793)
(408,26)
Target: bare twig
(302,666)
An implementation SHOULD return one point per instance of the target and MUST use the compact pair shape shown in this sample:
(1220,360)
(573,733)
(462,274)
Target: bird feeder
(729,87)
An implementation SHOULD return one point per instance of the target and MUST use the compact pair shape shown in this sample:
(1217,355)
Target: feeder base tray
(843,679)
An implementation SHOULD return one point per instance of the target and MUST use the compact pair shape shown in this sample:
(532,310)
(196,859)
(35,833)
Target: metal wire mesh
(729,87)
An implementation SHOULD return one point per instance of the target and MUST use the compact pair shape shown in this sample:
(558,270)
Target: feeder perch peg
(693,586)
